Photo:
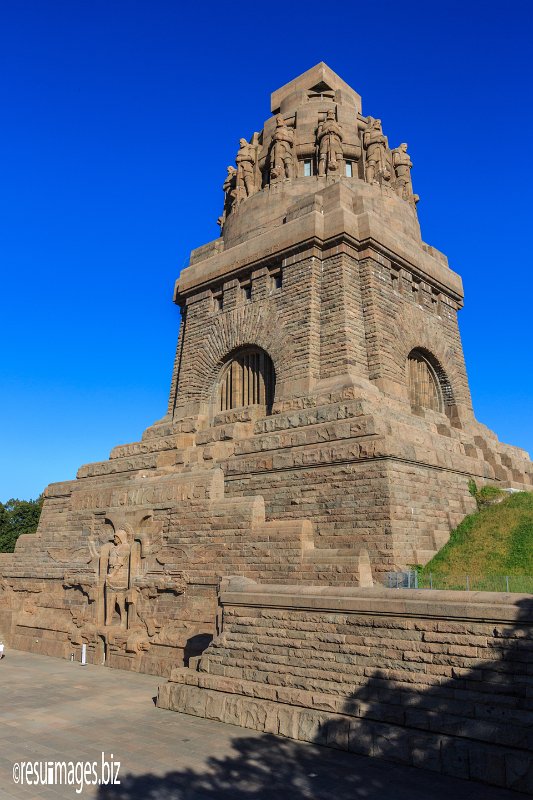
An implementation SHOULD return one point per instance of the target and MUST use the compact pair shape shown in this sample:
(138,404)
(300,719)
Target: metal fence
(413,579)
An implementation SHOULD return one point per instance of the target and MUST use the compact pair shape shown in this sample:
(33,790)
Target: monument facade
(320,430)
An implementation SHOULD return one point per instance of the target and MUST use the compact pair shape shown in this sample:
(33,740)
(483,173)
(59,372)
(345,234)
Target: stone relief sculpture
(402,167)
(376,146)
(117,579)
(120,563)
(230,191)
(116,592)
(245,176)
(281,151)
(329,140)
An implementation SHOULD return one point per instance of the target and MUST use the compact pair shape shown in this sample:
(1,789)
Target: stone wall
(283,323)
(440,680)
(401,513)
(403,312)
(343,447)
(367,472)
(345,312)
(130,566)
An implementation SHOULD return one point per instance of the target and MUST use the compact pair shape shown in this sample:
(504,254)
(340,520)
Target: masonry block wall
(403,312)
(283,321)
(440,681)
(173,537)
(358,292)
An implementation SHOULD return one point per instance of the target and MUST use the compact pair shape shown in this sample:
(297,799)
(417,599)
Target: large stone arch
(428,382)
(245,326)
(415,332)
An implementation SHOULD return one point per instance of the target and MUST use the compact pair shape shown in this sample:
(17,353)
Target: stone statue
(281,158)
(230,190)
(117,579)
(376,146)
(402,167)
(329,138)
(245,176)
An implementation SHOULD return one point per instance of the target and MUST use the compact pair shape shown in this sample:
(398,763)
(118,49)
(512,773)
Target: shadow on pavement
(273,768)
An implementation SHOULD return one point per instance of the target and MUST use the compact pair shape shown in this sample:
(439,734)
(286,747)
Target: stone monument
(281,158)
(319,431)
(378,157)
(329,137)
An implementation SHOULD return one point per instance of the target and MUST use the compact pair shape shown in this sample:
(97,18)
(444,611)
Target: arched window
(425,384)
(248,379)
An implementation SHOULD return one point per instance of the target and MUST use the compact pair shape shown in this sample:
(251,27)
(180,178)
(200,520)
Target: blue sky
(119,119)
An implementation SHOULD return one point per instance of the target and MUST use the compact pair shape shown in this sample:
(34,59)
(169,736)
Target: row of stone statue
(381,164)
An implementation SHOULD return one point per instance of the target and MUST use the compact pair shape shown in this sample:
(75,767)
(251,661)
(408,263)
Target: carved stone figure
(376,146)
(230,191)
(245,178)
(117,579)
(329,138)
(281,156)
(402,167)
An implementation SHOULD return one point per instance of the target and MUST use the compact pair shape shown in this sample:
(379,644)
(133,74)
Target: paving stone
(175,756)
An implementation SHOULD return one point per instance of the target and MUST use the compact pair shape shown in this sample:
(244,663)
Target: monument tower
(320,427)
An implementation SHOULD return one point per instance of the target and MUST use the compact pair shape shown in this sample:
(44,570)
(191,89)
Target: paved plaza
(53,710)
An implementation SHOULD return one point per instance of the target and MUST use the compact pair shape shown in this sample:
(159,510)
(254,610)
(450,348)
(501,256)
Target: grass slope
(495,541)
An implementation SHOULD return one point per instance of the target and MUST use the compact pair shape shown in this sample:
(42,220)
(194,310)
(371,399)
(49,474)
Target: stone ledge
(489,606)
(449,755)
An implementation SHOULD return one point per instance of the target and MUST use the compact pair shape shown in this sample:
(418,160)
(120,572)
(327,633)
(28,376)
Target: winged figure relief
(183,555)
(76,555)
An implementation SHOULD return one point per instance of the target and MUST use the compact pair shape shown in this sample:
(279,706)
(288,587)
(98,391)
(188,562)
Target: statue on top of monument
(245,177)
(329,138)
(281,158)
(376,146)
(230,191)
(402,167)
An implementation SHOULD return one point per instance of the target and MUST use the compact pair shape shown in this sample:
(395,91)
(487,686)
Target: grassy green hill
(494,542)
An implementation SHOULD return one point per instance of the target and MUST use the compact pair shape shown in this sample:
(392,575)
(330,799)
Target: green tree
(17,517)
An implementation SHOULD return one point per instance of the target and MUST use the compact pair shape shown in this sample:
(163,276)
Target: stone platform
(435,679)
(55,710)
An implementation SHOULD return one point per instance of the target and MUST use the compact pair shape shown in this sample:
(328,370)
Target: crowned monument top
(316,83)
(315,137)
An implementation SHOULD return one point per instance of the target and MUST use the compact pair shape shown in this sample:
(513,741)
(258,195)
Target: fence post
(468,583)
(431,580)
(507,584)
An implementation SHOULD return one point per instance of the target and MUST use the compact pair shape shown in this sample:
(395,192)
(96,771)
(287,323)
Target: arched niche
(248,379)
(427,383)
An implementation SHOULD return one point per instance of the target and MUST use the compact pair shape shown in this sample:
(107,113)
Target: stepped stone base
(130,566)
(334,489)
(438,680)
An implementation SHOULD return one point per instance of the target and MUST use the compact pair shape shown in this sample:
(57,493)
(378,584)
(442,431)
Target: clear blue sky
(118,120)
